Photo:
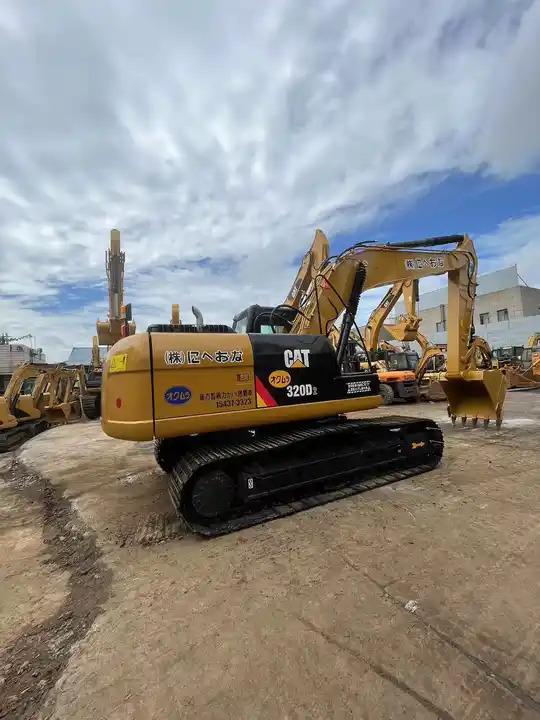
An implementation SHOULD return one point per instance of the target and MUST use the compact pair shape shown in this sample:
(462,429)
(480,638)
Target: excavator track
(91,405)
(14,437)
(222,487)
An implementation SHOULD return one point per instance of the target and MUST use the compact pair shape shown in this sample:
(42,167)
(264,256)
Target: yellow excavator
(38,396)
(22,405)
(407,328)
(252,426)
(118,324)
(396,367)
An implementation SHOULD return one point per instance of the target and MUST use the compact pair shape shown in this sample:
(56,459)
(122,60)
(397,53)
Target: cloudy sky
(218,135)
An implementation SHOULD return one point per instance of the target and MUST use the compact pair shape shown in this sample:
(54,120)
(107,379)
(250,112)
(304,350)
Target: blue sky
(218,136)
(457,203)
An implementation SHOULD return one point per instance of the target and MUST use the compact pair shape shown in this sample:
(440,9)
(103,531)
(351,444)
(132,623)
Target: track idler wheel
(212,494)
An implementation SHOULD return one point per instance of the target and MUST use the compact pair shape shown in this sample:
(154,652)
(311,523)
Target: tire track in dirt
(31,665)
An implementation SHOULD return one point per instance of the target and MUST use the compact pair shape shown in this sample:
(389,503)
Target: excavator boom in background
(251,426)
(395,366)
(118,325)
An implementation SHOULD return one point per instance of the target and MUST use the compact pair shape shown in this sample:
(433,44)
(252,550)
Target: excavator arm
(111,330)
(377,318)
(407,328)
(96,358)
(337,287)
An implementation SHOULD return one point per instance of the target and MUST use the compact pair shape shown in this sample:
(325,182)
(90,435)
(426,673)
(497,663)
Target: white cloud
(515,242)
(229,131)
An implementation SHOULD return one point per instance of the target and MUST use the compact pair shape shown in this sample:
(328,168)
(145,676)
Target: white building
(13,355)
(506,310)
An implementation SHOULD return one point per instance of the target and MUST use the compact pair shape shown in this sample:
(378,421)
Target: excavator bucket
(475,394)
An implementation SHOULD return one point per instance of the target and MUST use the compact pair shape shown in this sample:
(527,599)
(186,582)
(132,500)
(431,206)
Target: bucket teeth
(474,421)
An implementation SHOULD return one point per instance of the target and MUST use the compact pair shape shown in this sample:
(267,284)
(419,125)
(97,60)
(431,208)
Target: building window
(502,315)
(441,326)
(484,318)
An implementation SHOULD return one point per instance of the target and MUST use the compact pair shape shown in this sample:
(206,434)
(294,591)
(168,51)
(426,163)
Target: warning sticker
(118,363)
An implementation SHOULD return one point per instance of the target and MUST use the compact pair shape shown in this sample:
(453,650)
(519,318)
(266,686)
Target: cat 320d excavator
(252,426)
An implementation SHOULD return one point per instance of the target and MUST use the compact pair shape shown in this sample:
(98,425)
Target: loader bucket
(475,394)
(58,414)
(520,378)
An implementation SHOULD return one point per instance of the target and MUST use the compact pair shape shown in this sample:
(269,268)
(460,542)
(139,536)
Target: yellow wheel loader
(253,426)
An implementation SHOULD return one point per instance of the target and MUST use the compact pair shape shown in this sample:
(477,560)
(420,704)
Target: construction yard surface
(417,600)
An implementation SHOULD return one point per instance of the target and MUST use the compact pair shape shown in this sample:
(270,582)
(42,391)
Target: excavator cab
(402,360)
(264,319)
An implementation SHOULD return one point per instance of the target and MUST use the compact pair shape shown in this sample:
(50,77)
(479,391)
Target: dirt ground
(417,600)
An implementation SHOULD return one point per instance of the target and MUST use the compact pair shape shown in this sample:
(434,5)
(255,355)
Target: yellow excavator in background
(406,330)
(22,405)
(252,426)
(396,367)
(38,396)
(118,324)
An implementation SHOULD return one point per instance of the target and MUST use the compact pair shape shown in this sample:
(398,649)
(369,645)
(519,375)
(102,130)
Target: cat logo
(416,445)
(296,358)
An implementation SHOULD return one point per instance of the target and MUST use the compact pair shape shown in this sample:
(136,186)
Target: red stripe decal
(265,395)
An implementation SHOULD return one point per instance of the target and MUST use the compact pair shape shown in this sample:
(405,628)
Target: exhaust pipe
(198,318)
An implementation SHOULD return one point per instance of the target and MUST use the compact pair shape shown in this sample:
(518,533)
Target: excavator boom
(336,289)
(312,262)
(111,330)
